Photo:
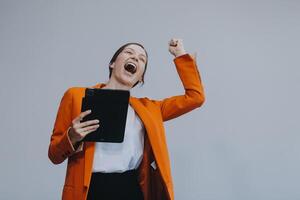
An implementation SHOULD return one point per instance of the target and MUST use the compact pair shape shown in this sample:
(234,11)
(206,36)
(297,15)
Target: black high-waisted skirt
(115,186)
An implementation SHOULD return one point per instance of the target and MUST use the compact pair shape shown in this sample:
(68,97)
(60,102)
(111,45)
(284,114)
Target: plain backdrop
(242,144)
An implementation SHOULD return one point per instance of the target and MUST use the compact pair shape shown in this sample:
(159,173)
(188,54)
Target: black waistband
(128,172)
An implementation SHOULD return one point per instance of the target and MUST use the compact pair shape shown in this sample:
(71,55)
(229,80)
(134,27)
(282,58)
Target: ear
(112,65)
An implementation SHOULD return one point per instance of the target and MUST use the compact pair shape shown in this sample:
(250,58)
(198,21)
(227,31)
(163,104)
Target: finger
(88,132)
(85,113)
(173,45)
(87,123)
(88,128)
(81,116)
(173,42)
(179,41)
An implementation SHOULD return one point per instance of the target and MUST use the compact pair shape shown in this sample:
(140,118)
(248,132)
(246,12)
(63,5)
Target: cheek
(119,65)
(119,62)
(141,72)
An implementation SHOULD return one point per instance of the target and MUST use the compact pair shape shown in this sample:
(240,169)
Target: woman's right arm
(67,132)
(60,145)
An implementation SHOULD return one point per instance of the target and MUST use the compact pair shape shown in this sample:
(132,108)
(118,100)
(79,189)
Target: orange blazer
(156,182)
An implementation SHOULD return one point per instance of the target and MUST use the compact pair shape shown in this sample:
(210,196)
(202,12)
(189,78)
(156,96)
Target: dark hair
(113,59)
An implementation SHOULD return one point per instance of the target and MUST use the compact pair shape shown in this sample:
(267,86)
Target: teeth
(132,64)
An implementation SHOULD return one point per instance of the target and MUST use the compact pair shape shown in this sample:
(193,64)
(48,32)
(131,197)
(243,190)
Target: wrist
(73,141)
(180,53)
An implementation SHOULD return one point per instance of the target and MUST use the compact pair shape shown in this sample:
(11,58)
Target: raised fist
(176,47)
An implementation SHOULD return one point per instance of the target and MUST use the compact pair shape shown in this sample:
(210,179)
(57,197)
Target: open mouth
(130,67)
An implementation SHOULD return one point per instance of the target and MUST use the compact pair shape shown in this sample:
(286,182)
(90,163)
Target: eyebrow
(134,51)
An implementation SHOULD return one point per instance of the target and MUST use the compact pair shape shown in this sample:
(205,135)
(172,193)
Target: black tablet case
(110,108)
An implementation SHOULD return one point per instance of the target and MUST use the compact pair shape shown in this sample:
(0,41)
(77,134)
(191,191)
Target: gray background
(242,144)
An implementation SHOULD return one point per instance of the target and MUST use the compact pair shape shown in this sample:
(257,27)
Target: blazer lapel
(151,130)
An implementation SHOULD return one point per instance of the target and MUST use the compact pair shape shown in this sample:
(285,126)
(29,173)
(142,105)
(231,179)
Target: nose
(135,58)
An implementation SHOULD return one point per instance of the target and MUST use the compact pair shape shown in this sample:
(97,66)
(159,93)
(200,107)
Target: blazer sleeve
(193,97)
(60,145)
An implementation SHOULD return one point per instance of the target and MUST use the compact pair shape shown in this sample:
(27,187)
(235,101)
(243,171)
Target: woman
(138,168)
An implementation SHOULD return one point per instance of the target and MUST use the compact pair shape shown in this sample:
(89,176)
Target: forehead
(136,48)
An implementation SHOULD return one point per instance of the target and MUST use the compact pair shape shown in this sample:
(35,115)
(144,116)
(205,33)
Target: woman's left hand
(176,47)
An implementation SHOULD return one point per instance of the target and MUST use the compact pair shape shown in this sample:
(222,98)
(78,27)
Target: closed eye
(129,52)
(143,60)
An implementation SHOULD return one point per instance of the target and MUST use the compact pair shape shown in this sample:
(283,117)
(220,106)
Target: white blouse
(120,157)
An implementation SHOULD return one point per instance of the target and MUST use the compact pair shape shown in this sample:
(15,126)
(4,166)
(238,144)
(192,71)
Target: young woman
(138,168)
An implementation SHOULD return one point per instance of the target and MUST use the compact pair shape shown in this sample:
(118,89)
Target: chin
(126,82)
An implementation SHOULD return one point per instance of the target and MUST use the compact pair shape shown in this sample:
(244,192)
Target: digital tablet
(110,108)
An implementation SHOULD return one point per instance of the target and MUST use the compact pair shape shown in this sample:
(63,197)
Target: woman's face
(129,66)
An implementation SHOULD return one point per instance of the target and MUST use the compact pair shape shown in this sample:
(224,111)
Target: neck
(115,85)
